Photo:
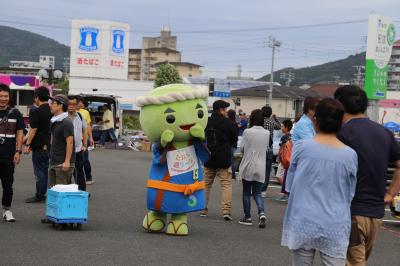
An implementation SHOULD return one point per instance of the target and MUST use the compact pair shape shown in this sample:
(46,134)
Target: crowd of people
(332,166)
(58,138)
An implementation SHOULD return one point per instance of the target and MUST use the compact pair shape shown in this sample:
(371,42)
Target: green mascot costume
(174,118)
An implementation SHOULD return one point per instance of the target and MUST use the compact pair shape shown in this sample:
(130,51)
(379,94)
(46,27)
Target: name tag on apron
(182,161)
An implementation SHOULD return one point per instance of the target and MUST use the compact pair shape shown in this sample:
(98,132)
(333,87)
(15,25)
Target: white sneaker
(227,217)
(8,216)
(262,221)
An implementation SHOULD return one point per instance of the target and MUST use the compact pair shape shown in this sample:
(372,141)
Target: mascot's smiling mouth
(186,127)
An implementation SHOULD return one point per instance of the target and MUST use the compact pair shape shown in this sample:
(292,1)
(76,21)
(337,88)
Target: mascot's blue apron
(192,182)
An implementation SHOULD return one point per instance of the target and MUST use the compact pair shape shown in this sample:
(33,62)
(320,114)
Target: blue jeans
(108,132)
(268,167)
(306,257)
(40,160)
(252,188)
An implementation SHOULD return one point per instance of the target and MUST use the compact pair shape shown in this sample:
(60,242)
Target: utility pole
(273,43)
(66,65)
(239,71)
(288,76)
(359,75)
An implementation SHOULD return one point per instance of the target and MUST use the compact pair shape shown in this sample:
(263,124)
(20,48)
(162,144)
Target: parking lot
(114,235)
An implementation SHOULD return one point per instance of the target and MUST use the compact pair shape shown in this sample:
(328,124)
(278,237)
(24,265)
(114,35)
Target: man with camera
(11,136)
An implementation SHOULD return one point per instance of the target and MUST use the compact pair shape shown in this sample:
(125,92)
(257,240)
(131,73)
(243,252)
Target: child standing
(285,151)
(254,147)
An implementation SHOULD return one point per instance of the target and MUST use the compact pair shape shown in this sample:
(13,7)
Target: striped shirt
(271,124)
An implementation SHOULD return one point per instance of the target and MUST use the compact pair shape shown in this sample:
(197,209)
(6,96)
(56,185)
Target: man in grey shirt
(80,136)
(62,155)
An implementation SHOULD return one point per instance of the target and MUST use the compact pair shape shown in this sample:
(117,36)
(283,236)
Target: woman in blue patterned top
(321,181)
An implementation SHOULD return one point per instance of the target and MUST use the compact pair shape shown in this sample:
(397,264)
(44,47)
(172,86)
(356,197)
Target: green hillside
(341,70)
(16,44)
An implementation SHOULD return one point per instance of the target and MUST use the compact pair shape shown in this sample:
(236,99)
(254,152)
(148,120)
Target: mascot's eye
(200,114)
(170,119)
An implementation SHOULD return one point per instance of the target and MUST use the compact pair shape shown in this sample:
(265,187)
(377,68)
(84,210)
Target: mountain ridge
(23,45)
(341,70)
(18,44)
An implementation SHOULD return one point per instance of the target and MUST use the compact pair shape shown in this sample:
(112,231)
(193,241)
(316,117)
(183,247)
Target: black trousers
(79,173)
(268,168)
(7,179)
(86,165)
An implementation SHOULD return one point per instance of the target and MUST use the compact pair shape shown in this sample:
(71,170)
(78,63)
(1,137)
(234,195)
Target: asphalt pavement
(114,236)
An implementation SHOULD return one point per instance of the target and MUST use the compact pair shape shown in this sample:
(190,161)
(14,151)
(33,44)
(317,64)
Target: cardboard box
(146,146)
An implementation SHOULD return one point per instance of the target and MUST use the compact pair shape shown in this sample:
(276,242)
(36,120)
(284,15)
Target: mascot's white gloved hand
(166,137)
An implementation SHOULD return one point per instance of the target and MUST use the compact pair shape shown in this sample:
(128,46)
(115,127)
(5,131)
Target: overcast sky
(219,52)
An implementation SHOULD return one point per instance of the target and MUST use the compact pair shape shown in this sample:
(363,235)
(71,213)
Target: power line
(207,31)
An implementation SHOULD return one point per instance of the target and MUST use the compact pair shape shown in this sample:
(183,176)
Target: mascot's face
(177,116)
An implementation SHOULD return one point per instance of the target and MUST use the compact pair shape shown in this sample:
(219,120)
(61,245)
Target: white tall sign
(381,36)
(99,49)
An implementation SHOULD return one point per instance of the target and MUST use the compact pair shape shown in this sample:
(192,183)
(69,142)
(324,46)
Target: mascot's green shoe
(154,221)
(178,225)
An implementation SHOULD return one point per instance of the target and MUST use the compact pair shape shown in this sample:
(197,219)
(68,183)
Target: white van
(94,104)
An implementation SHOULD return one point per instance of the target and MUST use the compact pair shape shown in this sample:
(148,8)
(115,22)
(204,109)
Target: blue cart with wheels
(65,209)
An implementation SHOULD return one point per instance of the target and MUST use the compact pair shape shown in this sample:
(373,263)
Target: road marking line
(391,221)
(393,232)
(274,186)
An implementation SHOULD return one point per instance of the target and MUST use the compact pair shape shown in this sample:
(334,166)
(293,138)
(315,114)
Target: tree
(166,74)
(62,85)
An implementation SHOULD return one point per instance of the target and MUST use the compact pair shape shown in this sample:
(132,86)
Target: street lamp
(50,75)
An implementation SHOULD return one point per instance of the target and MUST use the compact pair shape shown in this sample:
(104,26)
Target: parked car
(95,103)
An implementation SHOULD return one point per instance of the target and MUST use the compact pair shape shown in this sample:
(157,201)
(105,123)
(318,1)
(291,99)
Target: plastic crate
(67,205)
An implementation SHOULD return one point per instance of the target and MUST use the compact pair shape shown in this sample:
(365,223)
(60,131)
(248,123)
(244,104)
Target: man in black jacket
(221,136)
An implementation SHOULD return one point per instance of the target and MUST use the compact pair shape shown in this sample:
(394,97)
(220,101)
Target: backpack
(285,153)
